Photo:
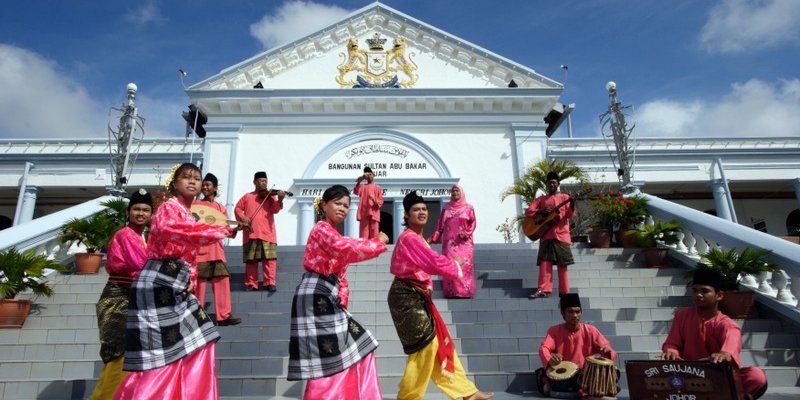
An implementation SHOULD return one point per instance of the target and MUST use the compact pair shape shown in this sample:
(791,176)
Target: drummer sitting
(571,341)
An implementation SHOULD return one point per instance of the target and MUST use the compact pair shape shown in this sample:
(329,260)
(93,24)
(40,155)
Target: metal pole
(191,151)
(728,194)
(132,111)
(23,185)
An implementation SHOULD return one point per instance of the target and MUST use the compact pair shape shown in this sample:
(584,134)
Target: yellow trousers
(423,366)
(110,377)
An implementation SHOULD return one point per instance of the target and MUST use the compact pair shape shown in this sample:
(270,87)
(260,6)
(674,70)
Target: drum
(563,378)
(599,377)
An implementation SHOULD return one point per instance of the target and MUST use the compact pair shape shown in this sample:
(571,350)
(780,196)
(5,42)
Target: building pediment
(413,53)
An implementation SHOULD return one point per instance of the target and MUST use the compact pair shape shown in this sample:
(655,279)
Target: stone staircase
(497,334)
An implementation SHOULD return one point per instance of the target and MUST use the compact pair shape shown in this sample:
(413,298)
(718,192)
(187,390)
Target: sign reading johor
(386,158)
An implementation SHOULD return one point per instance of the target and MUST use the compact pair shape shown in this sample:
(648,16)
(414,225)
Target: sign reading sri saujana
(376,67)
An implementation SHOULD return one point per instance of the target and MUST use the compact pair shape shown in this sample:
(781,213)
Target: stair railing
(701,232)
(41,233)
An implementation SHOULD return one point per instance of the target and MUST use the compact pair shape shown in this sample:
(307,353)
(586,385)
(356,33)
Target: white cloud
(293,20)
(737,26)
(144,15)
(37,100)
(162,116)
(754,108)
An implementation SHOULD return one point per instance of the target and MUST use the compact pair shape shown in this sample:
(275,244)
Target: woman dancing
(170,342)
(423,334)
(454,229)
(328,347)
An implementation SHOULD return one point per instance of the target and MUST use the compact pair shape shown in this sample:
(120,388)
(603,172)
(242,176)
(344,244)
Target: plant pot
(88,263)
(655,257)
(793,239)
(737,303)
(625,240)
(580,239)
(13,313)
(600,238)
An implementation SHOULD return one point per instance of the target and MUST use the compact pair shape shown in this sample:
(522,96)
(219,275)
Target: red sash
(447,349)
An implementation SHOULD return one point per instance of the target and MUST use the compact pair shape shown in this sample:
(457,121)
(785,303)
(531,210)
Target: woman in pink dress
(454,229)
(328,348)
(170,341)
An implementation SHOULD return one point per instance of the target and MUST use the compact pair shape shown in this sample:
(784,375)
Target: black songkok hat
(140,197)
(569,300)
(707,277)
(260,174)
(411,199)
(552,175)
(367,169)
(211,178)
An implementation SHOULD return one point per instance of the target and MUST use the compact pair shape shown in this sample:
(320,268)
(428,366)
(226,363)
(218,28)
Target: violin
(272,192)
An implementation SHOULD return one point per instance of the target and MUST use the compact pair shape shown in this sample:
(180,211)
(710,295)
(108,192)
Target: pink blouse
(127,253)
(328,252)
(174,233)
(414,259)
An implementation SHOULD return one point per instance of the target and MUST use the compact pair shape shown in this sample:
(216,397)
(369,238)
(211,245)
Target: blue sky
(690,68)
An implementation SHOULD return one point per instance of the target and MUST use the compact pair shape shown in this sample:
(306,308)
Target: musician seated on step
(702,332)
(571,341)
(554,245)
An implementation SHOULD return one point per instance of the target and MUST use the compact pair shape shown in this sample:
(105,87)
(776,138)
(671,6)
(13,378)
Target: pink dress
(457,217)
(572,346)
(693,338)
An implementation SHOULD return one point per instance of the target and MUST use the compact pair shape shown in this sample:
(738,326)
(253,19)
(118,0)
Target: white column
(306,220)
(351,223)
(720,200)
(399,211)
(28,204)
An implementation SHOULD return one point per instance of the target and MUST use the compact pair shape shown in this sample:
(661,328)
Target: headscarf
(460,206)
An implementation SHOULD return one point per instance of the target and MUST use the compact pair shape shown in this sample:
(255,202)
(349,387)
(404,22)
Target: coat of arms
(376,67)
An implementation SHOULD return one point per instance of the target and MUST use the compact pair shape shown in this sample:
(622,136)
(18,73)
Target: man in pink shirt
(369,205)
(571,341)
(554,246)
(257,210)
(211,262)
(702,332)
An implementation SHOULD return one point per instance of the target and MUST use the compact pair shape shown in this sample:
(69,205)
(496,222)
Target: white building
(451,119)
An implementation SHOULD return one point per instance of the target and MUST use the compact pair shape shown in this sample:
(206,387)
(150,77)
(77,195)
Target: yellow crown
(376,43)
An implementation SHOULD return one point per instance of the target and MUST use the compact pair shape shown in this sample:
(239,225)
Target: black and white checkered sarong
(325,339)
(165,322)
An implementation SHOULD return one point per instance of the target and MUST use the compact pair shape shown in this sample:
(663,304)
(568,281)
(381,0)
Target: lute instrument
(535,227)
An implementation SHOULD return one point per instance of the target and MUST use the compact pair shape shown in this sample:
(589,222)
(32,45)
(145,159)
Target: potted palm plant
(94,233)
(20,272)
(648,237)
(733,266)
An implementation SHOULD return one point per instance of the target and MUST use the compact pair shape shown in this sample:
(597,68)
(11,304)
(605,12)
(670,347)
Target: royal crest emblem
(376,67)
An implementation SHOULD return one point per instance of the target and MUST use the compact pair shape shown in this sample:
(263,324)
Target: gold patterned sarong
(212,269)
(112,315)
(411,316)
(257,250)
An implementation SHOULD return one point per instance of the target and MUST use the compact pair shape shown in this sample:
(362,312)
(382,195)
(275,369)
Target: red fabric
(221,287)
(413,259)
(127,253)
(359,382)
(559,231)
(693,338)
(367,207)
(546,277)
(368,228)
(174,233)
(573,346)
(328,252)
(193,377)
(212,251)
(263,223)
(251,272)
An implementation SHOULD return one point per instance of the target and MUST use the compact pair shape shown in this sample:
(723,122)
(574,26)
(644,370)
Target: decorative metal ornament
(376,67)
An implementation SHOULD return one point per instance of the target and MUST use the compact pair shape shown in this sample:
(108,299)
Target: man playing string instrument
(554,247)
